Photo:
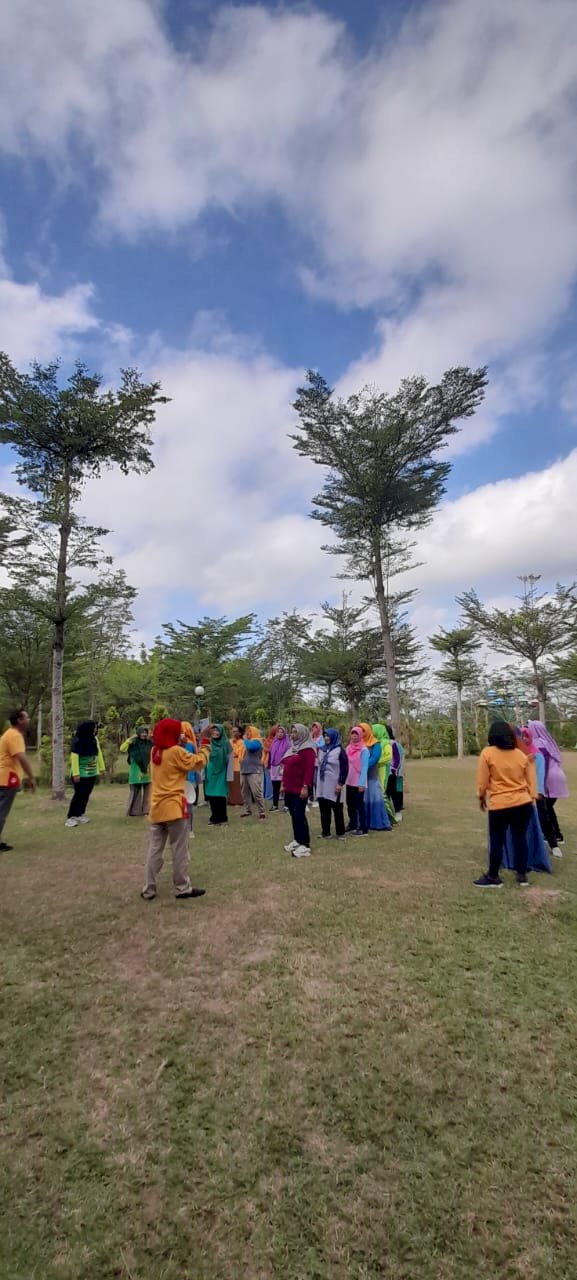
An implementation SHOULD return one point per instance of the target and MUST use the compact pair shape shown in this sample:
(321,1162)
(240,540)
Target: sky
(226,195)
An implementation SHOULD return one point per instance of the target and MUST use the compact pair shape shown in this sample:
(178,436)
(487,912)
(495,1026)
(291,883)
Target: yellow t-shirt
(12,744)
(167,798)
(509,778)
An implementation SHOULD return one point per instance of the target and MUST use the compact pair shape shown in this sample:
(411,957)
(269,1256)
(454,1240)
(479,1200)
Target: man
(13,764)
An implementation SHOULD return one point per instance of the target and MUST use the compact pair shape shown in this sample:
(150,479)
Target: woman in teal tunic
(138,749)
(215,783)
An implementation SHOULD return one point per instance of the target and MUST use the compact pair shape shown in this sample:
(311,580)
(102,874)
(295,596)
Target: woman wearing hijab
(376,816)
(237,746)
(396,782)
(251,773)
(298,774)
(333,771)
(537,856)
(171,762)
(138,749)
(318,742)
(266,776)
(554,784)
(278,750)
(215,785)
(86,765)
(358,757)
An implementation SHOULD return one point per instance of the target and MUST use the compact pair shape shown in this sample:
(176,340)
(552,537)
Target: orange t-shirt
(508,777)
(12,744)
(167,798)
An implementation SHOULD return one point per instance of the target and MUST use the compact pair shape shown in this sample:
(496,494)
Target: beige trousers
(177,833)
(252,791)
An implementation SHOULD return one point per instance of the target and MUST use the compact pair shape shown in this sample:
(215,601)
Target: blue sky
(225,195)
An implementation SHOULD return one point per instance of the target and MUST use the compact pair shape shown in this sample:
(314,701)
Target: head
(20,719)
(299,733)
(216,732)
(280,733)
(167,733)
(142,732)
(316,730)
(356,735)
(502,735)
(332,739)
(236,733)
(368,735)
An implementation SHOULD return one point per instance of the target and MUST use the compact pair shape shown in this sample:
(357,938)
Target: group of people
(520,778)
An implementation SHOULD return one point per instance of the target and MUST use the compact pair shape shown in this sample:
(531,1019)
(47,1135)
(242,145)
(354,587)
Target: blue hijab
(332,739)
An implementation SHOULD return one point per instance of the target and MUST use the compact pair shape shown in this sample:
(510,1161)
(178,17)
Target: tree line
(66,611)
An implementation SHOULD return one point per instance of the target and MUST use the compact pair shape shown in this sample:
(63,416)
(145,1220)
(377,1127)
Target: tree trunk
(541,694)
(354,712)
(388,649)
(58,771)
(460,742)
(39,728)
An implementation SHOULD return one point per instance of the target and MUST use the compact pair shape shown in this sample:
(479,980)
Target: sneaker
(148,897)
(557,852)
(5,848)
(84,819)
(398,817)
(288,848)
(488,882)
(301,851)
(191,893)
(71,822)
(341,839)
(523,882)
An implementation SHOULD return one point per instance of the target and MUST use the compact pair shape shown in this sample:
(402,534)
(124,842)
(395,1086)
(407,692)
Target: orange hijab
(368,735)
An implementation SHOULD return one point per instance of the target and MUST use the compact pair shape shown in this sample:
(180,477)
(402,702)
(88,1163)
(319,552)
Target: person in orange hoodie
(507,786)
(171,762)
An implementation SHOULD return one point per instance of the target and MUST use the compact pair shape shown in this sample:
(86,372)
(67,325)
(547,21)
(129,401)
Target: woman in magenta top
(298,771)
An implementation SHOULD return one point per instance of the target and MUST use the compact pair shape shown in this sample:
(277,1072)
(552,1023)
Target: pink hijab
(355,754)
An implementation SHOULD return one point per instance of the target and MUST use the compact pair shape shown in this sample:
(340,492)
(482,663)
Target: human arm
(483,777)
(540,769)
(23,760)
(343,768)
(189,762)
(125,745)
(100,765)
(532,778)
(252,744)
(75,766)
(364,769)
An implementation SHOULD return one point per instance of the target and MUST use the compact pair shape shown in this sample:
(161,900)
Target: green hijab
(381,734)
(220,748)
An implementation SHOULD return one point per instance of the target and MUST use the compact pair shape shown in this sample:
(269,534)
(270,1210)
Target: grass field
(353,1066)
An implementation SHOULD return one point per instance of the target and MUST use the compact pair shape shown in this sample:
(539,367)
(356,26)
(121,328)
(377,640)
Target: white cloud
(37,325)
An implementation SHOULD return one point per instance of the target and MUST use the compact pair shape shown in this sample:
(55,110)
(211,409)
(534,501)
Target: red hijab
(165,734)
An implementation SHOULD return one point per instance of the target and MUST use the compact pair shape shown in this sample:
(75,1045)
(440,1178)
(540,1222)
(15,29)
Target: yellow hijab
(368,735)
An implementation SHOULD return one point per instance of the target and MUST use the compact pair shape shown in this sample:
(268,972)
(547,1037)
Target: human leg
(178,836)
(339,818)
(519,818)
(325,809)
(498,823)
(555,822)
(353,807)
(276,786)
(213,802)
(158,837)
(256,780)
(220,811)
(246,792)
(7,798)
(300,824)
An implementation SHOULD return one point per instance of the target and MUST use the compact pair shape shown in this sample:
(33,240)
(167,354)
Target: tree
(384,473)
(106,620)
(278,658)
(198,654)
(458,669)
(25,648)
(348,658)
(63,436)
(542,627)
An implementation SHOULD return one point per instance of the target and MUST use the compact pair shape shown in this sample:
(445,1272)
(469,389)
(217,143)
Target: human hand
(482,804)
(338,789)
(362,790)
(304,794)
(76,778)
(32,784)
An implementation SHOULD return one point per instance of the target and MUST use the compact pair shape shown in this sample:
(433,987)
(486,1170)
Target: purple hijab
(278,750)
(555,781)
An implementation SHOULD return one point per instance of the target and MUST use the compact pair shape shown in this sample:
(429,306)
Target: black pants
(298,812)
(516,821)
(328,807)
(7,798)
(276,786)
(548,819)
(82,792)
(395,796)
(218,812)
(356,809)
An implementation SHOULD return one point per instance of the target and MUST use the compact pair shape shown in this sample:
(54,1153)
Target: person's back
(508,777)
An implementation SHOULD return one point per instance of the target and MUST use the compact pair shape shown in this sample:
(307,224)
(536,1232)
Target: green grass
(355,1066)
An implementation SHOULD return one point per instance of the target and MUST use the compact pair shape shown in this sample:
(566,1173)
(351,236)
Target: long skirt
(267,785)
(138,800)
(376,816)
(234,791)
(538,859)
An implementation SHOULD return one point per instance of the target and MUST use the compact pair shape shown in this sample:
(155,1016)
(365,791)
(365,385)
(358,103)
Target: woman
(396,782)
(358,757)
(318,742)
(376,816)
(215,786)
(537,856)
(507,776)
(266,777)
(298,774)
(237,745)
(171,762)
(278,751)
(251,774)
(554,784)
(138,749)
(333,771)
(86,764)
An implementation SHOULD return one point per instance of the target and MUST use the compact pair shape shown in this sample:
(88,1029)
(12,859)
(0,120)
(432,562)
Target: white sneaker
(71,822)
(84,819)
(398,817)
(301,851)
(289,847)
(557,852)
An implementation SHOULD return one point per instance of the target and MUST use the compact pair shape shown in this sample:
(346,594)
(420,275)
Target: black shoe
(488,882)
(323,837)
(192,893)
(148,897)
(523,882)
(5,848)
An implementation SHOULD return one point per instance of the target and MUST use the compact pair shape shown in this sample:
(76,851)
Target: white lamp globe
(199,691)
